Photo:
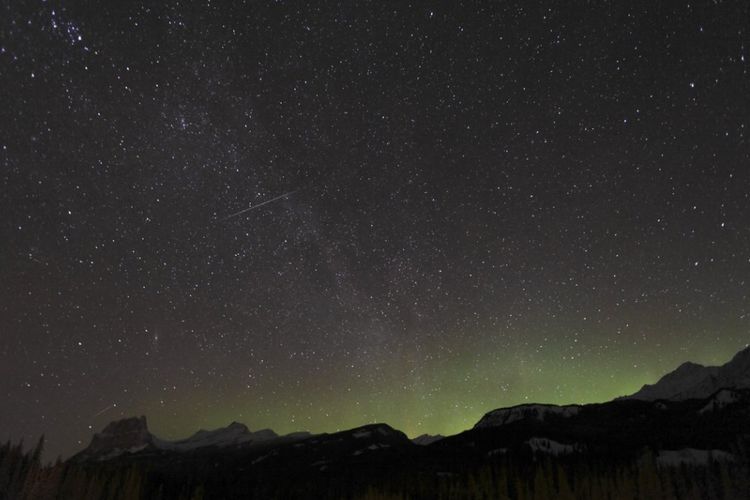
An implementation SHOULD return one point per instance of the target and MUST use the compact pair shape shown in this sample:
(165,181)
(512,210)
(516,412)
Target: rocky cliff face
(126,435)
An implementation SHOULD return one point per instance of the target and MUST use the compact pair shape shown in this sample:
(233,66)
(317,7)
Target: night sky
(472,207)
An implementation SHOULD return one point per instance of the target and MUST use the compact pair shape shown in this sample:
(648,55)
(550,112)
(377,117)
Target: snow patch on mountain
(232,435)
(372,447)
(534,412)
(719,400)
(426,439)
(374,430)
(691,456)
(550,447)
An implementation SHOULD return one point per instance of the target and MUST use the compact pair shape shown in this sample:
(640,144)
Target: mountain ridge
(131,435)
(706,390)
(692,380)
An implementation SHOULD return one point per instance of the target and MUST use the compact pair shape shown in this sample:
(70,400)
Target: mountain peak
(235,434)
(125,435)
(688,366)
(127,425)
(692,380)
(382,433)
(741,358)
(382,429)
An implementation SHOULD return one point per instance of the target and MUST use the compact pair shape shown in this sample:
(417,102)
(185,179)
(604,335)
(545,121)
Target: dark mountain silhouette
(694,442)
(127,434)
(691,380)
(131,435)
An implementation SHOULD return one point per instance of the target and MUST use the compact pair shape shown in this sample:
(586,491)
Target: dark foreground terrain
(697,448)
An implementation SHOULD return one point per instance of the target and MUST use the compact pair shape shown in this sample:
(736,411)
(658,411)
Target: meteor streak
(260,204)
(104,410)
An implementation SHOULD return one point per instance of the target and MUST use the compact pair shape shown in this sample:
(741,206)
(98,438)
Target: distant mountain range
(717,384)
(692,417)
(131,435)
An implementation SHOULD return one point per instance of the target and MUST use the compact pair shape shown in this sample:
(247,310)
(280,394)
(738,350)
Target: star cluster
(486,204)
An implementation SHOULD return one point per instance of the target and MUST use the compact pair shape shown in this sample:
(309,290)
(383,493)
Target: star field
(476,206)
